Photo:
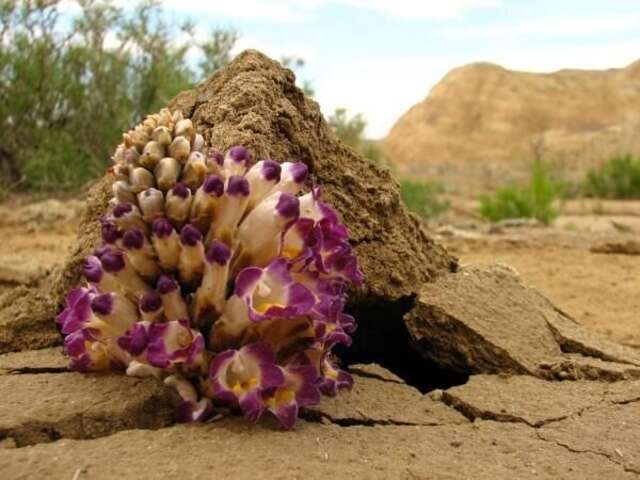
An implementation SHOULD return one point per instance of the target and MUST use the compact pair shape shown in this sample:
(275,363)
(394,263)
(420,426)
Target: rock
(45,407)
(254,102)
(482,123)
(622,247)
(573,338)
(482,320)
(611,432)
(26,320)
(232,449)
(20,269)
(580,367)
(485,320)
(377,400)
(523,399)
(33,361)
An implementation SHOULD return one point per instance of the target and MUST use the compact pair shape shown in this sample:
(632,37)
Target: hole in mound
(382,337)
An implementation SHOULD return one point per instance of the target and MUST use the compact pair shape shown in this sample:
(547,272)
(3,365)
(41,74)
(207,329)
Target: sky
(380,57)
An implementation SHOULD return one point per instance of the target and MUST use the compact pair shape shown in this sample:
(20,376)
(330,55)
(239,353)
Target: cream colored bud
(167,173)
(122,192)
(140,179)
(162,135)
(151,202)
(151,155)
(140,139)
(194,170)
(164,119)
(132,156)
(184,128)
(118,155)
(198,143)
(149,124)
(121,172)
(176,116)
(180,149)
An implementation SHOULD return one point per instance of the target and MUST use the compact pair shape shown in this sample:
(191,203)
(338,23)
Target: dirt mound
(482,123)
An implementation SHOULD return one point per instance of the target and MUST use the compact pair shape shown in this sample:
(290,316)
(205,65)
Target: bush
(72,80)
(535,200)
(618,178)
(423,198)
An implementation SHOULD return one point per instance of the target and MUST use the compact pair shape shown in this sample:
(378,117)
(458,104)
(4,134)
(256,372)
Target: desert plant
(423,198)
(618,178)
(534,200)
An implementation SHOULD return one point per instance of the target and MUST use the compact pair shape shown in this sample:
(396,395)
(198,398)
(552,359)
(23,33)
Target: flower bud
(162,135)
(151,154)
(180,149)
(140,179)
(167,172)
(178,204)
(184,128)
(166,243)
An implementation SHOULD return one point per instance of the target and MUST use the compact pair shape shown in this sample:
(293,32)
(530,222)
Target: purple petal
(161,227)
(219,253)
(246,280)
(271,170)
(288,206)
(238,186)
(213,185)
(190,235)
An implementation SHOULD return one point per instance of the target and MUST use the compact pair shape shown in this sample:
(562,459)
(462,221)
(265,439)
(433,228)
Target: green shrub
(534,200)
(617,178)
(59,164)
(66,93)
(423,198)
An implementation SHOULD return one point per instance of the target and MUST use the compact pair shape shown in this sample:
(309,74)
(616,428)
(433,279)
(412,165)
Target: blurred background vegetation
(69,86)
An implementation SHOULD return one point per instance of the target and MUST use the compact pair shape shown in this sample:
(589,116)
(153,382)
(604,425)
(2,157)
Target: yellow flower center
(241,387)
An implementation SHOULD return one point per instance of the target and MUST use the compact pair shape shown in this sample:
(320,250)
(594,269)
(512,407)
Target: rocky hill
(483,123)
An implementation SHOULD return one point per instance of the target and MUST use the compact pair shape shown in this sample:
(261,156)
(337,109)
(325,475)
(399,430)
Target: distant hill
(482,124)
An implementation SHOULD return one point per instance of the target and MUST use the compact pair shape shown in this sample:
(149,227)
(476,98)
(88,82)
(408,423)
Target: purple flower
(88,354)
(332,378)
(174,343)
(136,339)
(271,292)
(240,377)
(77,312)
(298,390)
(192,408)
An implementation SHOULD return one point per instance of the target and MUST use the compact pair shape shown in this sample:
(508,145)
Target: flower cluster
(217,275)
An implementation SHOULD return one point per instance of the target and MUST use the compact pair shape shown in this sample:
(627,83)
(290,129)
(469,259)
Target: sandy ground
(602,291)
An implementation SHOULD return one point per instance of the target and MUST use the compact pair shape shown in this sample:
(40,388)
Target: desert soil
(600,290)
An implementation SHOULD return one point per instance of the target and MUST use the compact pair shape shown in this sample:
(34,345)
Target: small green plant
(618,178)
(534,200)
(423,198)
